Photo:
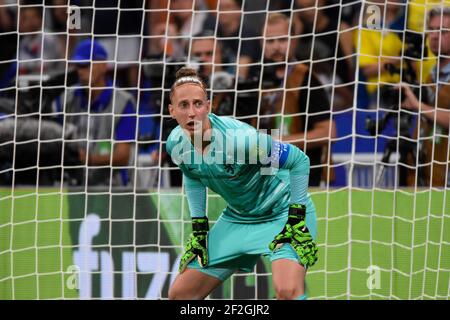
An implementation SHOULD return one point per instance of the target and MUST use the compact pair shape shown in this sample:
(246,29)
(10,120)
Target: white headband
(188,79)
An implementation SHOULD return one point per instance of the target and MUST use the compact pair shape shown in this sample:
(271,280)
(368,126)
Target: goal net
(91,205)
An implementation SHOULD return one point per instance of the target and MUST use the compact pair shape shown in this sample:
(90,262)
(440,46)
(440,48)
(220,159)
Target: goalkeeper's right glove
(197,244)
(296,233)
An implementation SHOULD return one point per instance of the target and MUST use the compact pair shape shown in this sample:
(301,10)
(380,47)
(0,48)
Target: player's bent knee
(174,293)
(286,294)
(192,285)
(177,292)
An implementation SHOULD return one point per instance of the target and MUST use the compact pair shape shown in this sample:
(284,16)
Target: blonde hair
(438,11)
(187,75)
(276,17)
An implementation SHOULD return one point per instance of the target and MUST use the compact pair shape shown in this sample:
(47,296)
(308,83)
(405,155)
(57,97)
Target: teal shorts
(234,246)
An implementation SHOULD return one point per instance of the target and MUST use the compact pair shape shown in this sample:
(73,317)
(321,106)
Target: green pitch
(405,235)
(35,246)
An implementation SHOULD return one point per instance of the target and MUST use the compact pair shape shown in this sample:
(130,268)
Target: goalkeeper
(266,214)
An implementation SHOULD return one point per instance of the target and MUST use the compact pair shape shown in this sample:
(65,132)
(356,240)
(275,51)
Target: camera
(414,47)
(30,121)
(241,102)
(161,71)
(244,101)
(391,97)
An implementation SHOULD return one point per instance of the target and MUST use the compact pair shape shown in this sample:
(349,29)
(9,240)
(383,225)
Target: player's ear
(208,105)
(171,111)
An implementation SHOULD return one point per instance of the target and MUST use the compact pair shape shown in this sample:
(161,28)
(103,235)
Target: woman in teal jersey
(264,182)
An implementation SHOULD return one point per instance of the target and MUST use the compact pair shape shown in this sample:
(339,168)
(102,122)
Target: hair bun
(186,72)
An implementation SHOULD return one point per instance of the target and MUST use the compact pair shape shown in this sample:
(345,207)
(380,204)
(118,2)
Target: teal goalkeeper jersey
(236,165)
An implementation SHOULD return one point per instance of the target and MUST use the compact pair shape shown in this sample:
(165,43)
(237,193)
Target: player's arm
(121,148)
(120,156)
(197,244)
(295,232)
(441,115)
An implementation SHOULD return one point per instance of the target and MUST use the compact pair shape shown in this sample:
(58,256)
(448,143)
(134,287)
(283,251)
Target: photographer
(38,49)
(206,51)
(27,142)
(379,48)
(32,148)
(435,117)
(105,118)
(306,119)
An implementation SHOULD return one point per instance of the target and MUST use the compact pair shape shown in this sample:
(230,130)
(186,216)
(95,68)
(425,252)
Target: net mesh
(91,205)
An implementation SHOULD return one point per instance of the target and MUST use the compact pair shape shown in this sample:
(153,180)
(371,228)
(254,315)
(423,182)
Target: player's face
(190,108)
(308,11)
(439,36)
(229,16)
(30,20)
(97,76)
(203,51)
(276,44)
(185,7)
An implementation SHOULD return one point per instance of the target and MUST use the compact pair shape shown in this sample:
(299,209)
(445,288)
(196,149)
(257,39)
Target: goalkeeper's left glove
(197,244)
(297,235)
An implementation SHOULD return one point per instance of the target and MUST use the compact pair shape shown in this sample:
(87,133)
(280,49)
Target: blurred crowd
(85,83)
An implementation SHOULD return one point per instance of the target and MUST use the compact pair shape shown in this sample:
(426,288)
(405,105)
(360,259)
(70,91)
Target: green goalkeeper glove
(197,244)
(297,235)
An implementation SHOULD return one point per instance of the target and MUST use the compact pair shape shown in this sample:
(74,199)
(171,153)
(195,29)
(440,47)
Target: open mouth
(193,125)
